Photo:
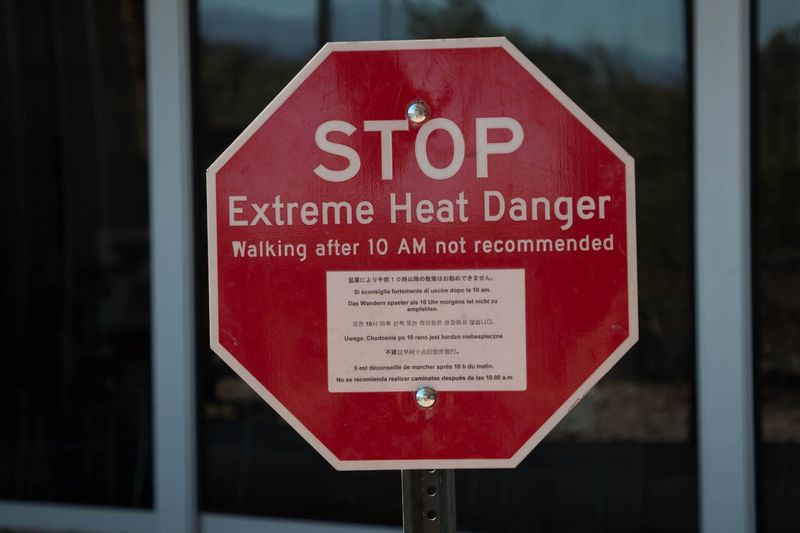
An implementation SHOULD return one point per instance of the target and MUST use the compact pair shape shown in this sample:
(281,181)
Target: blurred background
(76,413)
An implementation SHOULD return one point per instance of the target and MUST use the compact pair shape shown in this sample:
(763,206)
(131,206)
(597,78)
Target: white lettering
(483,147)
(354,161)
(421,148)
(386,127)
(501,206)
(233,210)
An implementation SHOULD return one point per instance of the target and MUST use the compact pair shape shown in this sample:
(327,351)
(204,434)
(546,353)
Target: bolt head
(426,397)
(418,111)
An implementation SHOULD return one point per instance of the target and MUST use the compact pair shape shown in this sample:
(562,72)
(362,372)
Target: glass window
(250,461)
(776,246)
(75,409)
(624,459)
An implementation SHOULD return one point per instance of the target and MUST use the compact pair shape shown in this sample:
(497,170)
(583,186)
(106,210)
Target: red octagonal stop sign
(422,254)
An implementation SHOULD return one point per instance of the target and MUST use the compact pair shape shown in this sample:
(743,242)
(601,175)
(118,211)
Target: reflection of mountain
(475,18)
(295,37)
(657,70)
(289,38)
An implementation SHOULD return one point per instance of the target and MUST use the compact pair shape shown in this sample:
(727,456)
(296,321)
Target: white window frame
(724,313)
(723,296)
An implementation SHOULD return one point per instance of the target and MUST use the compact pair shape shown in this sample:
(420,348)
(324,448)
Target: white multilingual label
(398,330)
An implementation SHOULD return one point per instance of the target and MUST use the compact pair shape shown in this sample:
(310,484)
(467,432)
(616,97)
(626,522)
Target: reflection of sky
(283,9)
(774,15)
(285,29)
(654,27)
(648,34)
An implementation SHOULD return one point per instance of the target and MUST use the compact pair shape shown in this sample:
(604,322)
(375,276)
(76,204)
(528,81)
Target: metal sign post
(429,501)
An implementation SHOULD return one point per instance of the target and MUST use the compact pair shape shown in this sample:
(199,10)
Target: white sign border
(571,402)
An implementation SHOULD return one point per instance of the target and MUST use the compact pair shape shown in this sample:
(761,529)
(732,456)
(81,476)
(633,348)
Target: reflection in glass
(75,409)
(776,227)
(624,459)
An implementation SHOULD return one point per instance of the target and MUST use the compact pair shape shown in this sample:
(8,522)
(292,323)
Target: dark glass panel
(776,231)
(75,409)
(250,460)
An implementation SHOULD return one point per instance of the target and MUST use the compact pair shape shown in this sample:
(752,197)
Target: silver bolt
(426,397)
(418,111)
